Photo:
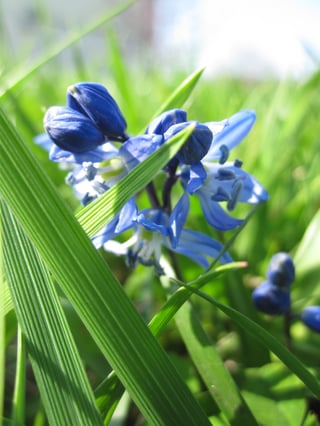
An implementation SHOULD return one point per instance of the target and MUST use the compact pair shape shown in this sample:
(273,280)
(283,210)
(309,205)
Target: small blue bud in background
(94,101)
(281,271)
(196,146)
(311,317)
(271,299)
(71,131)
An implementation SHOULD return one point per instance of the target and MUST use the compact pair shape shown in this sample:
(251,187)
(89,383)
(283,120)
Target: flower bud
(311,317)
(281,271)
(72,131)
(270,299)
(167,119)
(196,146)
(94,101)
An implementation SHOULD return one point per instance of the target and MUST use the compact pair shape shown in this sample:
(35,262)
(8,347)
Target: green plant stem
(2,327)
(19,394)
(201,349)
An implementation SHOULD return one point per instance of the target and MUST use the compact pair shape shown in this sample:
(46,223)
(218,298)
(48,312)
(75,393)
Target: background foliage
(281,151)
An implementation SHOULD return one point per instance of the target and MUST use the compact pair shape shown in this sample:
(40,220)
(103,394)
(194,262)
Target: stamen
(89,170)
(100,187)
(224,150)
(220,195)
(88,199)
(235,194)
(238,163)
(70,179)
(225,174)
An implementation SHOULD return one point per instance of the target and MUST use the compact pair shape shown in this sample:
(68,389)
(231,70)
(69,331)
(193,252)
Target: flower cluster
(89,133)
(273,295)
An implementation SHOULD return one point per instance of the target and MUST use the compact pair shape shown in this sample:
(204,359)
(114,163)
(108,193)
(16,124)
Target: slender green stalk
(208,362)
(2,326)
(19,394)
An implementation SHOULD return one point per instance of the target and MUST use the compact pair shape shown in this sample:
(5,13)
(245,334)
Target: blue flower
(281,271)
(153,228)
(196,146)
(91,118)
(173,121)
(228,184)
(72,131)
(94,101)
(311,317)
(271,299)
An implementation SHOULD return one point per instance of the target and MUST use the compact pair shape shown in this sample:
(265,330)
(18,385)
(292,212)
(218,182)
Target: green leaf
(181,94)
(85,278)
(306,257)
(97,214)
(6,304)
(65,391)
(265,338)
(14,80)
(3,288)
(203,353)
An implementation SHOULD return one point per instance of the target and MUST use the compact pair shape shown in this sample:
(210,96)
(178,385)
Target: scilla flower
(281,271)
(153,230)
(311,317)
(271,299)
(91,118)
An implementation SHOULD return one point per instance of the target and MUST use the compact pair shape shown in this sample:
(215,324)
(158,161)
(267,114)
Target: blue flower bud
(71,131)
(167,119)
(311,317)
(281,271)
(270,299)
(196,146)
(94,101)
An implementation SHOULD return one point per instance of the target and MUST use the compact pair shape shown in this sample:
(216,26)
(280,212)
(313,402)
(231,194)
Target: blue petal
(178,218)
(215,215)
(270,299)
(234,130)
(71,130)
(154,220)
(94,100)
(126,217)
(226,175)
(196,146)
(44,141)
(138,148)
(193,177)
(281,271)
(198,247)
(97,155)
(161,124)
(311,317)
(252,191)
(106,234)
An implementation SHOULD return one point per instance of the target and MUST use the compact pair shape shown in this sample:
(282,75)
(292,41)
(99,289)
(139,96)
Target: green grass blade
(3,291)
(181,94)
(18,400)
(120,332)
(6,304)
(267,339)
(15,80)
(65,391)
(107,400)
(97,214)
(204,356)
